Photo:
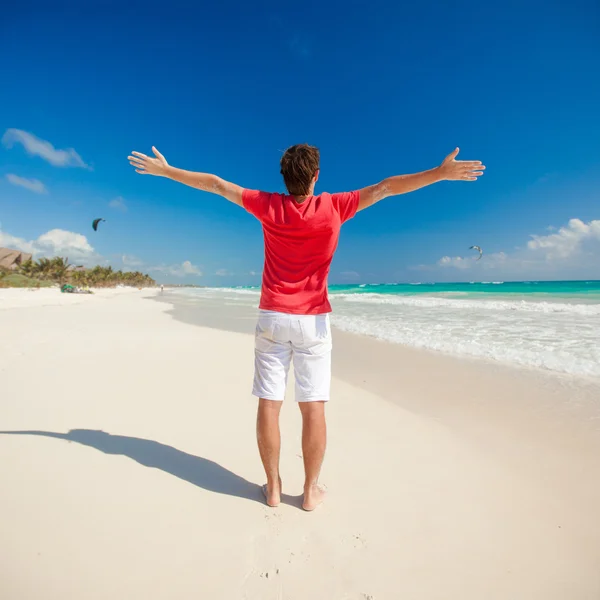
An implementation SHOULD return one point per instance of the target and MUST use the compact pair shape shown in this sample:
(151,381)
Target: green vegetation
(106,277)
(16,280)
(46,272)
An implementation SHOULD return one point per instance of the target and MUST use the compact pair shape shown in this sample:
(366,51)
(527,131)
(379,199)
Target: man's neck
(301,199)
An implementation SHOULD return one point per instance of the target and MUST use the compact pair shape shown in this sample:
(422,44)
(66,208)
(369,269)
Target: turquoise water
(549,289)
(553,325)
(565,289)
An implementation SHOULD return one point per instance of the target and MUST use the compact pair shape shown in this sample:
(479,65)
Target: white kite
(479,250)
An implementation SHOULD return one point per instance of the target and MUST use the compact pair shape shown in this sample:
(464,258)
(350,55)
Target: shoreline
(246,312)
(513,329)
(242,319)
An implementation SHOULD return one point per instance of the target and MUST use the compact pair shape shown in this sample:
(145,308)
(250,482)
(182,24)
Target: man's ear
(317,175)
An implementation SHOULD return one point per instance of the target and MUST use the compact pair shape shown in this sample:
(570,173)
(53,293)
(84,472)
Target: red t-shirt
(300,240)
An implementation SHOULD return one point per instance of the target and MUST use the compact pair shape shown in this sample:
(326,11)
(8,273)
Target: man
(301,233)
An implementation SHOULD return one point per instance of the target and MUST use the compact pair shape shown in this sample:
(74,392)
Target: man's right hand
(147,165)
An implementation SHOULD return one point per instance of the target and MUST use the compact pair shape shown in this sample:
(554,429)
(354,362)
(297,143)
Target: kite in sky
(95,223)
(478,249)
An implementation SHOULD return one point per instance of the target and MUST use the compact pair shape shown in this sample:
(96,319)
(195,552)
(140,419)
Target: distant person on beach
(301,232)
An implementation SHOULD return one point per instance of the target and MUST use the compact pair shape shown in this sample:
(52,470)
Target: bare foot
(272,496)
(313,496)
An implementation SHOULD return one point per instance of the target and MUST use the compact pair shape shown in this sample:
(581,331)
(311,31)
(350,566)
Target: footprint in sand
(268,574)
(357,541)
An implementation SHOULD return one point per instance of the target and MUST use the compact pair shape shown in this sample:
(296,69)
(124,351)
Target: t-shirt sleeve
(346,204)
(256,203)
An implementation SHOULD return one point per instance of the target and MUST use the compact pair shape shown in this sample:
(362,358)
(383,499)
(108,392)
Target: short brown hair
(299,165)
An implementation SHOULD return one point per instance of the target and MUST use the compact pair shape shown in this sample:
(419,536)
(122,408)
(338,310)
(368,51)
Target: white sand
(32,297)
(166,503)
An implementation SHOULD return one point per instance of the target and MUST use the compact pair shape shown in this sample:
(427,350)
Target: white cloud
(469,262)
(187,268)
(35,146)
(59,242)
(456,261)
(569,241)
(118,204)
(572,251)
(33,185)
(56,242)
(254,273)
(184,269)
(10,241)
(223,273)
(129,260)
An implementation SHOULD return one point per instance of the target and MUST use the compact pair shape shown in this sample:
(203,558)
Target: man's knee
(269,407)
(312,410)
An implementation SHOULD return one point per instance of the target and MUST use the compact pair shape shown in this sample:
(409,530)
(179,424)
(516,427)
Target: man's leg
(314,441)
(272,357)
(269,444)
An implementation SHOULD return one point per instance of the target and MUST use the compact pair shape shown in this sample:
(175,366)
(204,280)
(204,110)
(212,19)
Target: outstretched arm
(449,170)
(148,165)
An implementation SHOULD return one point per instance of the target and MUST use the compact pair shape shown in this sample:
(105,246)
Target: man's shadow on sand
(198,471)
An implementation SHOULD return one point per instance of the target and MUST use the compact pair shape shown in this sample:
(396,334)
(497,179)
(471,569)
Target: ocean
(551,325)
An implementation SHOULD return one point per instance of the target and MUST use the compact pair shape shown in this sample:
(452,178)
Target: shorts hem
(268,397)
(313,399)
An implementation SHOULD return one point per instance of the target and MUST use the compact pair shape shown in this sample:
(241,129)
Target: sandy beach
(129,467)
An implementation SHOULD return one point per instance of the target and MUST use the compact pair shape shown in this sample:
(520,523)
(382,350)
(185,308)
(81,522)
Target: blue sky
(381,87)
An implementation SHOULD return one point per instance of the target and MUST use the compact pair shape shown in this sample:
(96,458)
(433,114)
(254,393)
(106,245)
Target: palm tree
(27,268)
(79,277)
(59,269)
(99,276)
(43,268)
(106,276)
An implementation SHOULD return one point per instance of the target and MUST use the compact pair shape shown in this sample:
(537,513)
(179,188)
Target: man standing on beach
(301,234)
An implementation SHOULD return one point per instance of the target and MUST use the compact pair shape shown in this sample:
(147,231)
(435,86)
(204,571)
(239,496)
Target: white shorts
(281,338)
